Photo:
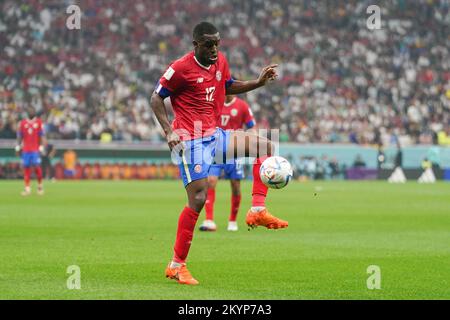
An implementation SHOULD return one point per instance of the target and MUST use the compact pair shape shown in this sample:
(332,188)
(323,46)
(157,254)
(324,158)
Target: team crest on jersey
(35,125)
(198,168)
(234,112)
(218,75)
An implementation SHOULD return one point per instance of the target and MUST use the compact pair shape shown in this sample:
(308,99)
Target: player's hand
(41,149)
(267,74)
(174,141)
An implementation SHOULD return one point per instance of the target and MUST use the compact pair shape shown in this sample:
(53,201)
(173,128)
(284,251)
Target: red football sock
(185,232)
(209,204)
(27,176)
(235,203)
(259,191)
(38,171)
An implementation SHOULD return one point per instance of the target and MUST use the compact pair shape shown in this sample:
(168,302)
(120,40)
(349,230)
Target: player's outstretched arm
(268,73)
(157,104)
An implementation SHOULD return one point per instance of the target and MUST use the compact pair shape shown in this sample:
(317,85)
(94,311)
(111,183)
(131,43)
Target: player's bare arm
(52,153)
(157,104)
(42,144)
(267,74)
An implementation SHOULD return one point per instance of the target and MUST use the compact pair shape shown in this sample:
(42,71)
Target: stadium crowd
(339,81)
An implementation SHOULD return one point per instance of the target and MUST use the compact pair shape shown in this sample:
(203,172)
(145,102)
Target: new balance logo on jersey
(200,80)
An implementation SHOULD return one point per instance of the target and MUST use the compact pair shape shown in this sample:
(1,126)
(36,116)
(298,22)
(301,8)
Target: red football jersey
(197,94)
(30,131)
(236,115)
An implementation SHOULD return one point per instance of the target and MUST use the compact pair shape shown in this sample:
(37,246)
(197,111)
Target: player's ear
(195,43)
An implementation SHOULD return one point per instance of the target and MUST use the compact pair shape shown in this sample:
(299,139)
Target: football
(276,172)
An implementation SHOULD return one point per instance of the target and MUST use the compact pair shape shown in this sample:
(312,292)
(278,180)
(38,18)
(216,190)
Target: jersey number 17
(225,119)
(209,93)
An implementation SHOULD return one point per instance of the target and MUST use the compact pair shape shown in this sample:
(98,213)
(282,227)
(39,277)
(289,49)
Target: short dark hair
(204,28)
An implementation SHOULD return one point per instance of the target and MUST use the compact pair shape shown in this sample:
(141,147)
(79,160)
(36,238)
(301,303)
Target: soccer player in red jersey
(197,84)
(236,114)
(30,143)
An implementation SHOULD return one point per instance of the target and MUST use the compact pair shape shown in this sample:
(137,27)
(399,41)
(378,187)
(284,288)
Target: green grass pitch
(121,236)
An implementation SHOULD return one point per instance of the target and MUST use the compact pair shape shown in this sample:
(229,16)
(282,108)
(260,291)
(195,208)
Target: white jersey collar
(230,103)
(207,68)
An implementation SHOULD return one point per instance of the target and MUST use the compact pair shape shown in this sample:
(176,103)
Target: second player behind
(236,115)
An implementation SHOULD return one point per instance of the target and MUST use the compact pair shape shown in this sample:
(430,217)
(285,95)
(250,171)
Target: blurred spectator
(434,156)
(47,167)
(443,137)
(309,167)
(334,167)
(381,157)
(359,162)
(11,170)
(398,162)
(70,162)
(323,170)
(7,129)
(426,164)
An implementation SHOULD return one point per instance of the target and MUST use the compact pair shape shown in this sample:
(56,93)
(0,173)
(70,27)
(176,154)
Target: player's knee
(201,196)
(212,182)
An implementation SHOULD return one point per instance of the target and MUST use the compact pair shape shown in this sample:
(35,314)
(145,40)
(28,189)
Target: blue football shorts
(234,171)
(30,159)
(198,155)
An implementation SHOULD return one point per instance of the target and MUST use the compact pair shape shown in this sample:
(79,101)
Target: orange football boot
(181,274)
(265,219)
